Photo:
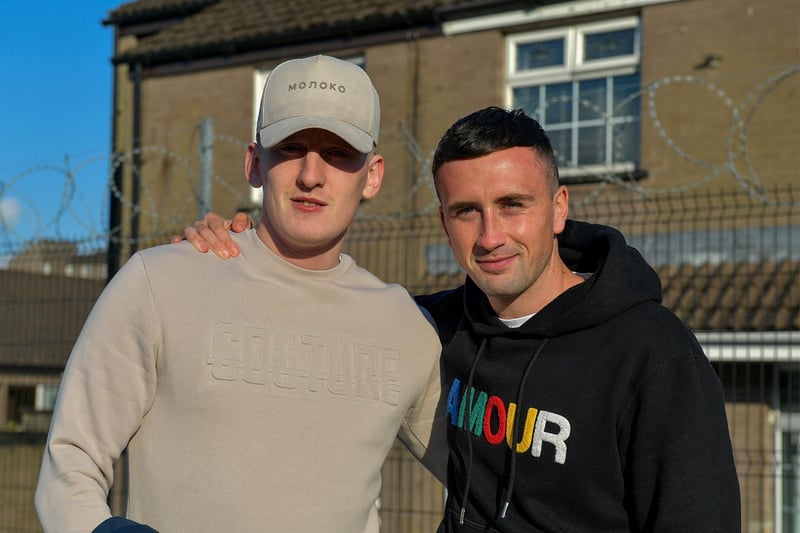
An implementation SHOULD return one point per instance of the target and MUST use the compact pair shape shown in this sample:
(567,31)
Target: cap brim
(275,133)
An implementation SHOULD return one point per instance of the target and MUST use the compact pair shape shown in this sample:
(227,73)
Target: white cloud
(10,212)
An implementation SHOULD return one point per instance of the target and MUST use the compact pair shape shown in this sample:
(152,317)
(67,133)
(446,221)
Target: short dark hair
(491,129)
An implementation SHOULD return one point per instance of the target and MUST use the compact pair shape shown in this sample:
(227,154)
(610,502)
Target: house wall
(425,85)
(756,41)
(173,108)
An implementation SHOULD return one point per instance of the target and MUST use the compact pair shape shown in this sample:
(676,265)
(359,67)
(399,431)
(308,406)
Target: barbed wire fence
(23,218)
(47,204)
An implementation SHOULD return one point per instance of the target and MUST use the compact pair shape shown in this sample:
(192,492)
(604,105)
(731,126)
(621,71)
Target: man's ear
(252,166)
(560,209)
(444,226)
(374,177)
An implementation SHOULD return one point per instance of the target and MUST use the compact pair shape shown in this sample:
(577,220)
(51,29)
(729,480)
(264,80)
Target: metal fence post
(206,167)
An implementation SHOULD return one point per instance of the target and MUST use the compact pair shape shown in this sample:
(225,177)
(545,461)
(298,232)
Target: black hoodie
(623,426)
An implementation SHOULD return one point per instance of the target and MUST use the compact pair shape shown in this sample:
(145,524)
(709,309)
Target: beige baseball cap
(320,92)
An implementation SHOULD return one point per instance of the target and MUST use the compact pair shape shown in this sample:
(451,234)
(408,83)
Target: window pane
(527,98)
(540,54)
(790,391)
(558,103)
(592,104)
(625,90)
(561,139)
(609,44)
(591,145)
(791,481)
(625,143)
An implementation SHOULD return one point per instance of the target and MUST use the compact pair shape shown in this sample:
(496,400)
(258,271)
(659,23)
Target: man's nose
(492,234)
(312,171)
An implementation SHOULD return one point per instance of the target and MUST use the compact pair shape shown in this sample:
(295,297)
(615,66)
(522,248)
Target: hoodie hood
(621,279)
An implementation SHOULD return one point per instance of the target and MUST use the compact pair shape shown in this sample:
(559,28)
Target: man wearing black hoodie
(575,401)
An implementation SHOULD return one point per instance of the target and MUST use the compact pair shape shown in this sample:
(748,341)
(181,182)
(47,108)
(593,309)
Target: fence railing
(730,267)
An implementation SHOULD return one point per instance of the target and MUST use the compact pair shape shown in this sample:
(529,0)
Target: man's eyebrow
(516,198)
(455,206)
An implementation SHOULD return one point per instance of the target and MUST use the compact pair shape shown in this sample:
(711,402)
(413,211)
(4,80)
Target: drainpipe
(114,201)
(137,156)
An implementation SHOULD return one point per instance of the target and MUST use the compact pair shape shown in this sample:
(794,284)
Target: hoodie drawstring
(467,416)
(521,388)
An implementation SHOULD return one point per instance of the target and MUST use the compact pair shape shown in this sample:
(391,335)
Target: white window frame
(784,422)
(629,62)
(575,69)
(739,346)
(45,396)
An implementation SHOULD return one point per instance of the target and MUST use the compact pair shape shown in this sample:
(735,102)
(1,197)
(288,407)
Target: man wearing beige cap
(261,394)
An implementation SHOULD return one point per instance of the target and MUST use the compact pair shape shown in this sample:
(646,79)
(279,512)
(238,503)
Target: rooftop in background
(183,30)
(41,316)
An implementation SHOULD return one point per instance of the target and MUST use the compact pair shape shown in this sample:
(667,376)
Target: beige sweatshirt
(252,395)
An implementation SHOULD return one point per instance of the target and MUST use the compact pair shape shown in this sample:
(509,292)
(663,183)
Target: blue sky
(55,111)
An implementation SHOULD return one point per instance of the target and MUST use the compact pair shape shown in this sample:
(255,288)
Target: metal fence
(730,267)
